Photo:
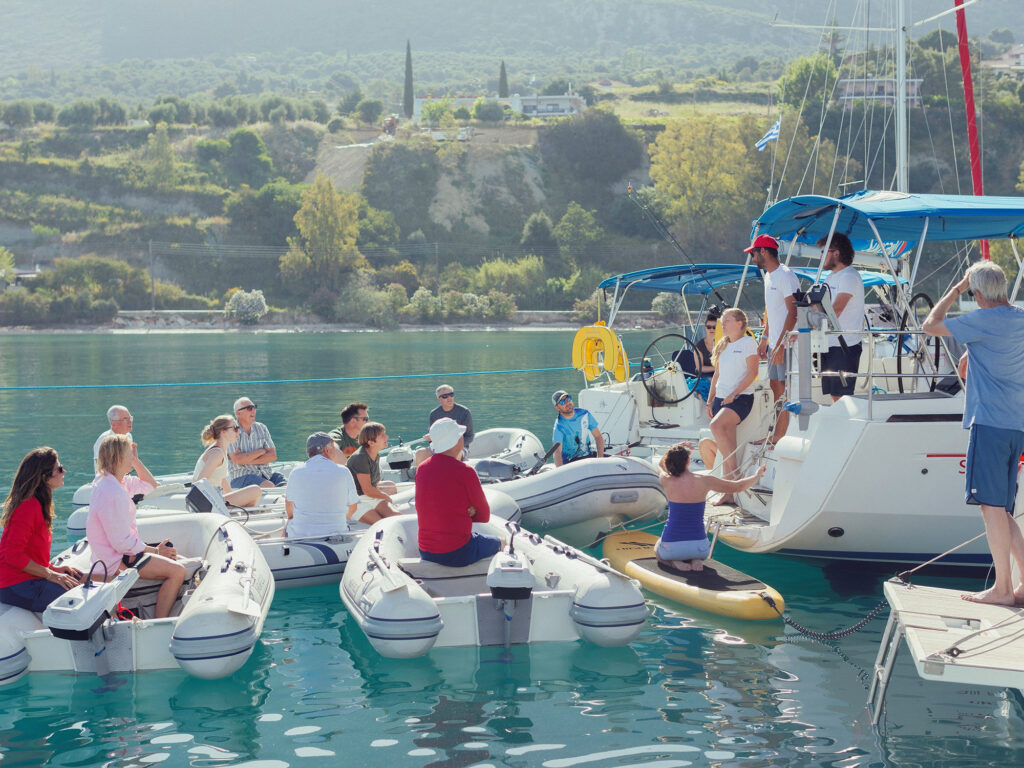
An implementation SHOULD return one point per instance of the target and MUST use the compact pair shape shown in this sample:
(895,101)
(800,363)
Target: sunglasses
(232,427)
(564,400)
(248,408)
(60,469)
(710,326)
(447,394)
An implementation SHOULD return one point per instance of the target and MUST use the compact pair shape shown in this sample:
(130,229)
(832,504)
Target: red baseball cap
(763,241)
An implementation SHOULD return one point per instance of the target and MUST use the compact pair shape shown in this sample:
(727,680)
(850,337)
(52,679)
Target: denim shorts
(993,456)
(477,548)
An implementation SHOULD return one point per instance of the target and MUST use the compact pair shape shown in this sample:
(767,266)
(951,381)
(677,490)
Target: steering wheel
(924,358)
(543,460)
(679,345)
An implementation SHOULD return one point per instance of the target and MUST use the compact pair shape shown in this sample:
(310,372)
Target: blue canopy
(897,215)
(698,279)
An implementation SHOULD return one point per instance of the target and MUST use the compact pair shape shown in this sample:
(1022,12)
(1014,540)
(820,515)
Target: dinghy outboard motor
(495,470)
(401,458)
(510,579)
(203,497)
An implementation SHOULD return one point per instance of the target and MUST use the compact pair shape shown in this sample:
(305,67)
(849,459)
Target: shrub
(502,306)
(669,306)
(247,307)
(323,302)
(585,310)
(20,307)
(425,306)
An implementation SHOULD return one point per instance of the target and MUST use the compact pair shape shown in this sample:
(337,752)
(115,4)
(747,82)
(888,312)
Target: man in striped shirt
(250,456)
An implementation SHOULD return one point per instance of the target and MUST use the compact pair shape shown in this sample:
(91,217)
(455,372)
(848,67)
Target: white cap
(444,434)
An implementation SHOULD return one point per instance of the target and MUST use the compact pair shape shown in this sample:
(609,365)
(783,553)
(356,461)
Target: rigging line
(949,111)
(931,140)
(46,387)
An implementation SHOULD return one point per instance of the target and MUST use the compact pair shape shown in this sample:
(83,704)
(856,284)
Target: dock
(950,639)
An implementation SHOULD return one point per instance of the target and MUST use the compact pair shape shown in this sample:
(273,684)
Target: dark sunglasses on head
(447,394)
(248,407)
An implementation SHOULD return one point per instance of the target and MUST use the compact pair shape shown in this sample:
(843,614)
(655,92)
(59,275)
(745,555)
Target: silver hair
(988,279)
(238,404)
(443,388)
(114,410)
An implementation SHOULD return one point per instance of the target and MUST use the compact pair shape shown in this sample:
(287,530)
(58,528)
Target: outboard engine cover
(77,613)
(509,577)
(494,470)
(203,497)
(400,457)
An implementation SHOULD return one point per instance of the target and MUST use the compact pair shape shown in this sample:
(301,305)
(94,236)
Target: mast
(902,173)
(972,118)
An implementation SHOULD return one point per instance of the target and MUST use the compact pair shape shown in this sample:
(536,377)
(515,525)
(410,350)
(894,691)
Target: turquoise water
(694,689)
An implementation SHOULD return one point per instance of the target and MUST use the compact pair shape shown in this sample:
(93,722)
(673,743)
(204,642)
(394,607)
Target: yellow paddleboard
(716,589)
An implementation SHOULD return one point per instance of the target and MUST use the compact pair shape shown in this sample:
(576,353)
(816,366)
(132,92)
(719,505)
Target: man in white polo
(780,285)
(321,493)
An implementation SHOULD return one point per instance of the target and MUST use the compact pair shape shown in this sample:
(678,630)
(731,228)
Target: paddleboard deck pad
(717,588)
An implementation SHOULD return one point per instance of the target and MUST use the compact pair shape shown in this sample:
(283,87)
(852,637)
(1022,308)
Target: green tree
(556,87)
(408,98)
(488,111)
(321,112)
(593,147)
(164,112)
(809,77)
(502,82)
(161,166)
(348,103)
(325,250)
(18,114)
(81,114)
(576,233)
(7,267)
(111,112)
(434,111)
(44,111)
(538,235)
(247,161)
(265,216)
(369,111)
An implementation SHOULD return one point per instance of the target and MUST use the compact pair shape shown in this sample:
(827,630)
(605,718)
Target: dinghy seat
(444,581)
(143,587)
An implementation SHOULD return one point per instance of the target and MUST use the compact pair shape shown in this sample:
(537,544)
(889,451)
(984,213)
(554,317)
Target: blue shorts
(741,406)
(477,548)
(993,456)
(696,549)
(253,479)
(836,360)
(32,595)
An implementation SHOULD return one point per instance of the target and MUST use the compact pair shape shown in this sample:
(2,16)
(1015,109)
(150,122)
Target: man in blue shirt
(993,411)
(575,429)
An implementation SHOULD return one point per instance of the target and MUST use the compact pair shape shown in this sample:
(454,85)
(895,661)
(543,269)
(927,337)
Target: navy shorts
(993,456)
(837,360)
(32,595)
(477,548)
(135,561)
(741,405)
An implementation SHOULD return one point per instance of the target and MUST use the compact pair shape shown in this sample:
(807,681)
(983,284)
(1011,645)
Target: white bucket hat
(444,434)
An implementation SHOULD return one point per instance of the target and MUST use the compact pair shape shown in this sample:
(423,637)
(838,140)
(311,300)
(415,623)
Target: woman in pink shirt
(111,529)
(27,580)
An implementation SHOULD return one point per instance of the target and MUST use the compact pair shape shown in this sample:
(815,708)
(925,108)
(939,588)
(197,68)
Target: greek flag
(772,135)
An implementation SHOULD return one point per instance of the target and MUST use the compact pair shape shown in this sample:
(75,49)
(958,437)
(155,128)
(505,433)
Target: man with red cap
(780,283)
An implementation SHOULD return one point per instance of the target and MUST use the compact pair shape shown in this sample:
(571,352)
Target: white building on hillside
(529,106)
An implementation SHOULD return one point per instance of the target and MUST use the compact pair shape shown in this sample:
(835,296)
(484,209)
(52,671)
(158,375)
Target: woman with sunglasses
(27,579)
(212,465)
(705,347)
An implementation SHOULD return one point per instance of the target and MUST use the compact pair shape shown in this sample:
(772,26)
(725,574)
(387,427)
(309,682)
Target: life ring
(597,349)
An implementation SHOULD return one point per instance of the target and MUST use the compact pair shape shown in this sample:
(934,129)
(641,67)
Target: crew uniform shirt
(462,417)
(257,437)
(778,286)
(574,434)
(25,537)
(732,367)
(445,490)
(995,371)
(847,280)
(322,492)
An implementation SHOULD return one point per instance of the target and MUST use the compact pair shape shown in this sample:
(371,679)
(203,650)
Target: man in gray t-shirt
(449,409)
(993,412)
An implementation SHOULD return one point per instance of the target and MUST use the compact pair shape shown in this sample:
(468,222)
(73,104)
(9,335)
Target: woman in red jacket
(27,580)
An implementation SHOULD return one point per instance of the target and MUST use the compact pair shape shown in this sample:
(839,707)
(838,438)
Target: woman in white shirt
(213,464)
(732,388)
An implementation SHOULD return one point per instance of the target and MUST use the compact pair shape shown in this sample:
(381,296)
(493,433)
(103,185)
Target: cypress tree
(407,96)
(502,82)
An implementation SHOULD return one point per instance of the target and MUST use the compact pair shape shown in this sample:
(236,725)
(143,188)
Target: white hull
(406,607)
(212,631)
(829,495)
(304,562)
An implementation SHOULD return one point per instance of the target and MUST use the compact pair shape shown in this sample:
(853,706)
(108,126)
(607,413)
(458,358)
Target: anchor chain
(838,634)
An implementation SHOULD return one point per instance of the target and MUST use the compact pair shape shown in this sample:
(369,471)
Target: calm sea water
(694,689)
